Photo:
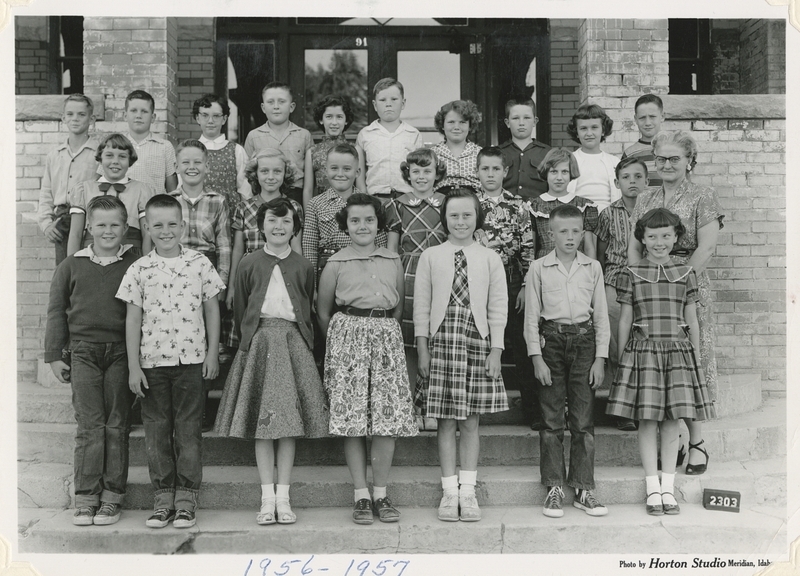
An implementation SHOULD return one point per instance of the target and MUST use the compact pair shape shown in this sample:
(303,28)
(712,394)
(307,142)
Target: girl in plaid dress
(460,312)
(414,224)
(658,380)
(365,369)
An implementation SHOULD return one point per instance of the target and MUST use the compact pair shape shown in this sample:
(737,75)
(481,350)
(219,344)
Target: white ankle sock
(378,492)
(282,491)
(467,479)
(360,494)
(450,485)
(653,490)
(668,483)
(267,491)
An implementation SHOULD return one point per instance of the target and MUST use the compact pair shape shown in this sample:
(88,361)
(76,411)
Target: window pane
(251,65)
(430,79)
(338,72)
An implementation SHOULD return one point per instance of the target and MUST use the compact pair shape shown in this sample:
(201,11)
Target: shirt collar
(409,199)
(652,272)
(282,255)
(551,260)
(149,138)
(88,252)
(348,253)
(91,143)
(618,203)
(124,180)
(565,199)
(180,192)
(505,195)
(376,125)
(221,139)
(265,127)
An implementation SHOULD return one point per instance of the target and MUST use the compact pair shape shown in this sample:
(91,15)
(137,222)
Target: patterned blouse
(417,222)
(614,228)
(540,210)
(508,230)
(461,171)
(244,220)
(319,156)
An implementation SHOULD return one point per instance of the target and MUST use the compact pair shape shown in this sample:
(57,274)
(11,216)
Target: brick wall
(564,84)
(31,55)
(763,57)
(196,41)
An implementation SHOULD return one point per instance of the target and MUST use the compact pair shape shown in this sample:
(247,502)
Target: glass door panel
(251,65)
(336,72)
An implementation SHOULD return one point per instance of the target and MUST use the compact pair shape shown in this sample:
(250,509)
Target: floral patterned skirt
(273,390)
(366,378)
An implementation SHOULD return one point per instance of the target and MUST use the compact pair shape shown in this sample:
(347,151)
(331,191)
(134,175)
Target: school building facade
(723,80)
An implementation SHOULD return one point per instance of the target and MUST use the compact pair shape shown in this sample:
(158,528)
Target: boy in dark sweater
(86,324)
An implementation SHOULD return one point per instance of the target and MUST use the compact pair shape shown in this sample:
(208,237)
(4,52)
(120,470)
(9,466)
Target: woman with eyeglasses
(701,214)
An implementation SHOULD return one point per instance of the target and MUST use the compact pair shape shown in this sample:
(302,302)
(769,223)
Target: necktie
(104,187)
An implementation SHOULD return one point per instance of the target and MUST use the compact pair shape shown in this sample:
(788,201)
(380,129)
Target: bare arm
(624,329)
(211,314)
(400,283)
(133,338)
(706,244)
(393,242)
(171,182)
(77,224)
(590,244)
(361,180)
(690,315)
(635,250)
(326,299)
(147,242)
(601,252)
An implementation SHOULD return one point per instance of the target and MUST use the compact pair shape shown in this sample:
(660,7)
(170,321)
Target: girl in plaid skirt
(658,380)
(460,312)
(365,369)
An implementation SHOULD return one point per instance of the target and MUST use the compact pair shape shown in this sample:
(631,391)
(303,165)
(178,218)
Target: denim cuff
(111,497)
(164,498)
(186,499)
(83,500)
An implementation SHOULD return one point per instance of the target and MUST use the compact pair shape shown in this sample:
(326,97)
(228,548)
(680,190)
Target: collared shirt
(155,163)
(566,296)
(540,211)
(614,228)
(207,226)
(294,142)
(64,170)
(366,281)
(171,292)
(461,171)
(384,151)
(523,168)
(135,197)
(277,303)
(218,143)
(88,252)
(507,229)
(321,230)
(244,221)
(644,151)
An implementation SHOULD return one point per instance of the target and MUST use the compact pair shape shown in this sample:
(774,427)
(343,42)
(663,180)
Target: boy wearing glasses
(649,114)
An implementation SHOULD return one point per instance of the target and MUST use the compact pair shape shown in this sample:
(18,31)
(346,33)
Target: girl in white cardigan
(460,312)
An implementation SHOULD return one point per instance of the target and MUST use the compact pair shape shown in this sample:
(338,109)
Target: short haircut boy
(625,162)
(281,85)
(163,201)
(82,98)
(280,207)
(344,148)
(106,203)
(520,101)
(467,109)
(480,215)
(361,199)
(191,143)
(206,100)
(589,112)
(658,218)
(119,142)
(332,101)
(422,157)
(492,152)
(649,99)
(140,95)
(556,156)
(565,211)
(385,83)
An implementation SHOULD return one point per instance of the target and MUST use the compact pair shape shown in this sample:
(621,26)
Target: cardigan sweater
(250,287)
(83,305)
(488,295)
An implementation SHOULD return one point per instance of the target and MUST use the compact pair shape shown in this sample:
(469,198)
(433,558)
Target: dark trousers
(102,402)
(172,414)
(515,341)
(569,358)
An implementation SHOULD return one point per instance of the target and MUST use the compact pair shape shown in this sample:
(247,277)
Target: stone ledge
(729,106)
(51,107)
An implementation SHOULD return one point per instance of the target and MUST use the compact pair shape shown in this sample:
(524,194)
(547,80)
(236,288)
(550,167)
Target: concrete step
(627,529)
(751,436)
(237,487)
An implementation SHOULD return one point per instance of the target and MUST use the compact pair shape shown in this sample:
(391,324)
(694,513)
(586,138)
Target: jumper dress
(658,376)
(458,385)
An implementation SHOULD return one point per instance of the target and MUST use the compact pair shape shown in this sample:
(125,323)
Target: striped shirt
(155,163)
(461,171)
(294,142)
(207,227)
(614,228)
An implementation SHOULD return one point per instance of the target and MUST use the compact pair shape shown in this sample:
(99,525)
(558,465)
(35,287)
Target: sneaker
(362,511)
(84,516)
(589,504)
(448,508)
(552,504)
(184,519)
(108,514)
(385,510)
(160,518)
(470,512)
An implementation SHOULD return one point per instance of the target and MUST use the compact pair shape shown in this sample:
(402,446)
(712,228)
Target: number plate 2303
(725,500)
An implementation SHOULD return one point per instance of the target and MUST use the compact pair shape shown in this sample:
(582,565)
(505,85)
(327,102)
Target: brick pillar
(618,61)
(125,54)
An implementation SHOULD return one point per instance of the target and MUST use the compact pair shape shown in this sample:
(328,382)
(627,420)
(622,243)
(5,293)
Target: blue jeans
(102,402)
(570,358)
(172,414)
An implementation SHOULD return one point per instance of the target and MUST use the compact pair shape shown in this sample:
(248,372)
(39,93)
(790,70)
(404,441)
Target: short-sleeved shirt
(64,170)
(523,168)
(244,221)
(596,182)
(658,294)
(207,226)
(384,151)
(135,197)
(614,228)
(294,142)
(540,211)
(507,229)
(461,171)
(155,162)
(644,151)
(366,281)
(171,299)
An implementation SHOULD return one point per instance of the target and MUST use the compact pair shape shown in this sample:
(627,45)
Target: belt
(580,328)
(366,312)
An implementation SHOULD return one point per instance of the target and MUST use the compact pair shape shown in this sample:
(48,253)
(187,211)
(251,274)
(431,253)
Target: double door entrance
(436,60)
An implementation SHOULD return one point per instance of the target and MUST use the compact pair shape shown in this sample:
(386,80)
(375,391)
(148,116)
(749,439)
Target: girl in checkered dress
(414,224)
(365,369)
(658,380)
(460,313)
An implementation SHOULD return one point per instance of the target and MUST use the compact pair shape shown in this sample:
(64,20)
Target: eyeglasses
(661,160)
(206,117)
